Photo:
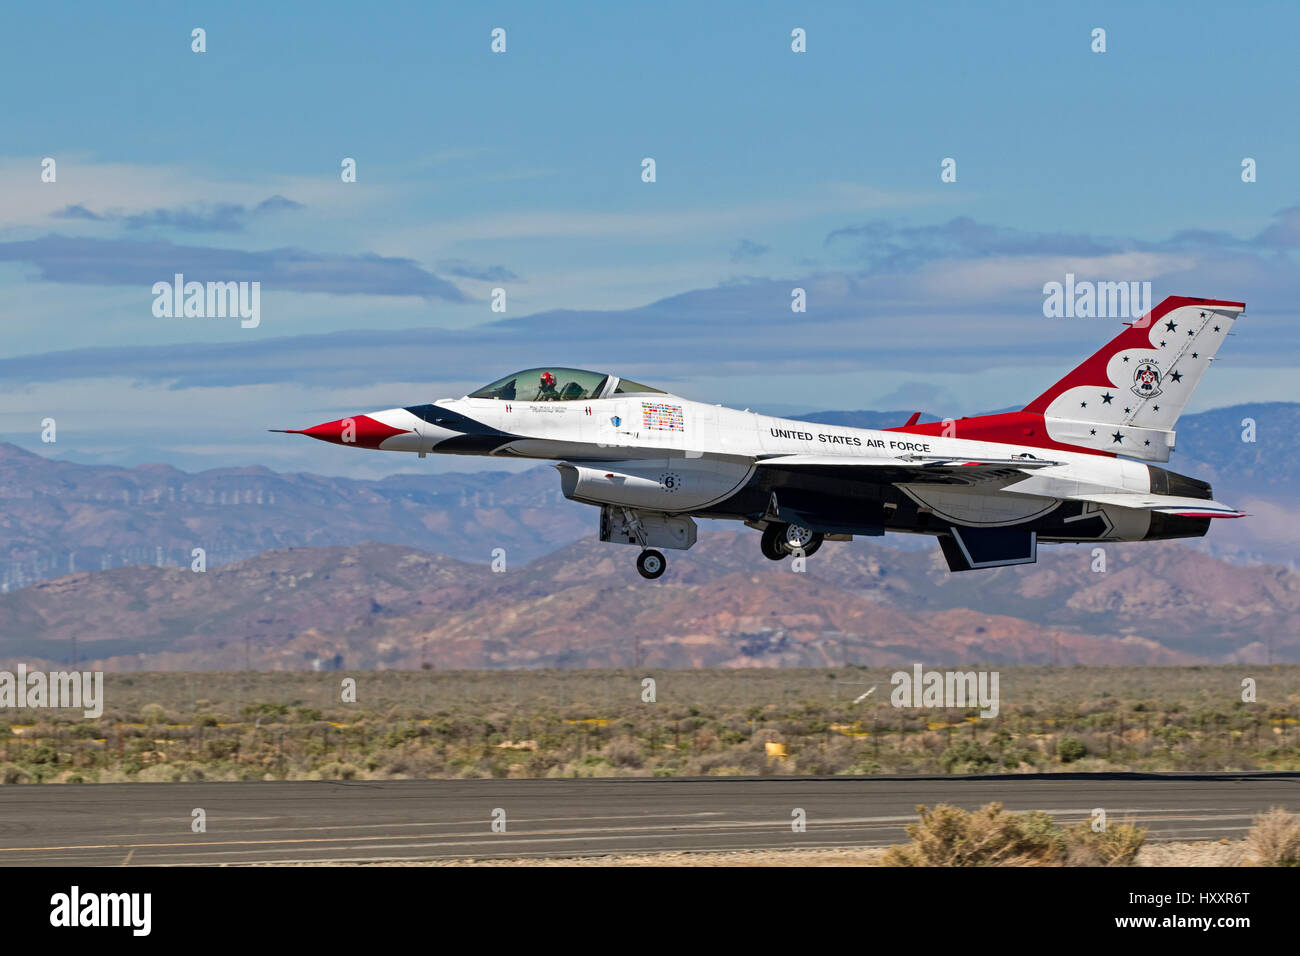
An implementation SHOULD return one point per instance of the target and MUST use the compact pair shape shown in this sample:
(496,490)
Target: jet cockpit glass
(551,384)
(635,388)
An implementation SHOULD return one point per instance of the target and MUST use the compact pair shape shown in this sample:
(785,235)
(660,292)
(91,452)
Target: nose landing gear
(651,563)
(782,540)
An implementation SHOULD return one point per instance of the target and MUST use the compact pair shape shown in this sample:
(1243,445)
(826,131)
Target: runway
(371,821)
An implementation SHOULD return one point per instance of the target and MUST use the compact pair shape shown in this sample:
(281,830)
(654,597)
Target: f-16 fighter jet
(989,488)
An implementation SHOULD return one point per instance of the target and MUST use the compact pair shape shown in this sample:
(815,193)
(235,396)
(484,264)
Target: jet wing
(1164,504)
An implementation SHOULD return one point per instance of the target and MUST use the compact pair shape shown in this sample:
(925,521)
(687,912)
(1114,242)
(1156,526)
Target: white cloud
(132,187)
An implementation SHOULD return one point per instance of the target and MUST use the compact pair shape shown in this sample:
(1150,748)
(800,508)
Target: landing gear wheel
(651,564)
(795,539)
(813,545)
(771,545)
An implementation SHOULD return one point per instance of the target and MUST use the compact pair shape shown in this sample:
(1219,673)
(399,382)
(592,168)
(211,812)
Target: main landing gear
(651,563)
(782,540)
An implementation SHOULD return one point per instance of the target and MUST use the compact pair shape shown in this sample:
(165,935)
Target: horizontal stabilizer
(1163,504)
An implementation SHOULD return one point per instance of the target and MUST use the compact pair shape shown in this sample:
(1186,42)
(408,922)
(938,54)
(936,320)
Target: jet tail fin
(1127,397)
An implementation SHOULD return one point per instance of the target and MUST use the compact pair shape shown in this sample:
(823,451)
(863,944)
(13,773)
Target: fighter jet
(1068,467)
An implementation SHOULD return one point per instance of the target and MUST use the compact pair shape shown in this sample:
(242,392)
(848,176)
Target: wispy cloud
(962,298)
(884,246)
(78,211)
(747,250)
(205,217)
(467,270)
(135,262)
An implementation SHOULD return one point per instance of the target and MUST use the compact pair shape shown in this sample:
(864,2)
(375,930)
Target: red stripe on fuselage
(1008,428)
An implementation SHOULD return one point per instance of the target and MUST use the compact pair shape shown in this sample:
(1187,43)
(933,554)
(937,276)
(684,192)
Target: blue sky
(522,171)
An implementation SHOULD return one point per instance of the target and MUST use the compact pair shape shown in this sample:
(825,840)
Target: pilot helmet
(548,379)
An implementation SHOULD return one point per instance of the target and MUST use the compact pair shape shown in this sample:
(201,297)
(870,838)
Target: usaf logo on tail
(1146,380)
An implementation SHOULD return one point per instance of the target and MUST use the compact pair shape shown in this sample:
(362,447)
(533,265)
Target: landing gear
(771,548)
(782,540)
(794,539)
(651,563)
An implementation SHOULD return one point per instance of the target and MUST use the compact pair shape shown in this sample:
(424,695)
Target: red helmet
(548,378)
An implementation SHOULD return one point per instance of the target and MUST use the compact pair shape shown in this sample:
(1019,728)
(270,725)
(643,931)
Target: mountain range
(312,571)
(387,606)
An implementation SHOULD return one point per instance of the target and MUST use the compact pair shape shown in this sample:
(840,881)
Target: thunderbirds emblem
(1146,379)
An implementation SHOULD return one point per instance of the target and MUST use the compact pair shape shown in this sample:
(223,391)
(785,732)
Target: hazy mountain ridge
(58,517)
(380,605)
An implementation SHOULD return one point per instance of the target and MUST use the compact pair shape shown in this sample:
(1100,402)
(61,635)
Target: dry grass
(991,836)
(1117,845)
(164,727)
(1220,854)
(1274,840)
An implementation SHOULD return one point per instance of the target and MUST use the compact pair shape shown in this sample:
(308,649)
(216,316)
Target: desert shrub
(219,748)
(1013,757)
(623,752)
(338,771)
(257,711)
(539,764)
(12,773)
(864,765)
(1172,734)
(1070,749)
(1274,839)
(1115,846)
(42,754)
(990,836)
(966,756)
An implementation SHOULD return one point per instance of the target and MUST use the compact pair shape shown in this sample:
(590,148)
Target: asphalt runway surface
(371,821)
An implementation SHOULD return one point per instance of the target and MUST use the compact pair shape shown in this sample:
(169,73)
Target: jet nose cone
(360,430)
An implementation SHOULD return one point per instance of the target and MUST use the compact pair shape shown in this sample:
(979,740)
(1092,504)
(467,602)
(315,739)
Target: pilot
(546,389)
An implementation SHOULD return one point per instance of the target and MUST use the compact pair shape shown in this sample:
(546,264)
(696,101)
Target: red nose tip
(360,430)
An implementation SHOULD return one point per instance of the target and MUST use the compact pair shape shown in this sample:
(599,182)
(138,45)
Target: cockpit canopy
(555,384)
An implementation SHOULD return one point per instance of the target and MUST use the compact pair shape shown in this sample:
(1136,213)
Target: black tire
(651,564)
(771,543)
